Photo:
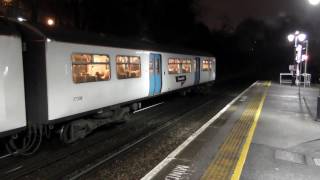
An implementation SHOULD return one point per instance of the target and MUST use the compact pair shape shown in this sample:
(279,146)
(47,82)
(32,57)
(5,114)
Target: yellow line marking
(227,158)
(245,150)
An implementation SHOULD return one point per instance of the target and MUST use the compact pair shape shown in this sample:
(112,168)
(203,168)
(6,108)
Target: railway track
(127,147)
(158,119)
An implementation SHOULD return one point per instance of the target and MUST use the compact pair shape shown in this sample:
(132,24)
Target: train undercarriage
(28,142)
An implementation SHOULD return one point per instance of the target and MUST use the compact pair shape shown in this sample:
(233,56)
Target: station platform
(267,132)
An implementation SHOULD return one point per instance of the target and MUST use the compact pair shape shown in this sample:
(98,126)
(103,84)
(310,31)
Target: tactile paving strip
(225,161)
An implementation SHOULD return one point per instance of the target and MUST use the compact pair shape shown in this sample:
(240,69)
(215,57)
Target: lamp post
(296,38)
(305,58)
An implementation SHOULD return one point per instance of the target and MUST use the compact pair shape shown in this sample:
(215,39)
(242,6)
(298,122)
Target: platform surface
(267,132)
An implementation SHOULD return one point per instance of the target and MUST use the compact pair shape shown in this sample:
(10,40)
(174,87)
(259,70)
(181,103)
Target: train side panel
(214,70)
(173,82)
(207,76)
(12,101)
(66,98)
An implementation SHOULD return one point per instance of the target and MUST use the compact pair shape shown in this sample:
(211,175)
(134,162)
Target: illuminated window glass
(174,66)
(211,65)
(154,66)
(157,67)
(206,65)
(186,66)
(177,66)
(90,68)
(151,67)
(128,67)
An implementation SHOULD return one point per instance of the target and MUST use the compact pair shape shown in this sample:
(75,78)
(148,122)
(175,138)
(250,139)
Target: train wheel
(126,117)
(76,130)
(66,134)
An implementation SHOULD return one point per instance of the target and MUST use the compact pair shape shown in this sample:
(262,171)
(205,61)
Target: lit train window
(174,66)
(151,67)
(177,66)
(128,67)
(90,68)
(157,67)
(186,66)
(206,65)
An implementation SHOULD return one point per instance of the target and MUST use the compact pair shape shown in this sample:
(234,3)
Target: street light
(291,38)
(7,2)
(302,37)
(50,22)
(297,37)
(21,19)
(314,2)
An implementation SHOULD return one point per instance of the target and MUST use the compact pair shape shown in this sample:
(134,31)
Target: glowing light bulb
(21,19)
(302,37)
(305,57)
(314,2)
(291,37)
(50,22)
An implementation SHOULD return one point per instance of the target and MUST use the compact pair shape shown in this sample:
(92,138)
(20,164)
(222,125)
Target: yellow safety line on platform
(229,160)
(245,150)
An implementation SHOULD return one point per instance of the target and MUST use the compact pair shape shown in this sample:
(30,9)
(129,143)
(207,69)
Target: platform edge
(246,147)
(173,154)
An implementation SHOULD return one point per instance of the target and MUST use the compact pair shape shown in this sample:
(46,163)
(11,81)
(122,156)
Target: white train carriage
(12,101)
(80,81)
(82,78)
(85,75)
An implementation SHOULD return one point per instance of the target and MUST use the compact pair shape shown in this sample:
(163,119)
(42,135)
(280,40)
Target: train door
(155,74)
(197,70)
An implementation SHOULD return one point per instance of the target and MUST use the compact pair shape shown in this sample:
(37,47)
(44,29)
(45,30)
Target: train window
(151,67)
(206,65)
(157,67)
(210,65)
(90,68)
(174,65)
(128,67)
(186,66)
(177,66)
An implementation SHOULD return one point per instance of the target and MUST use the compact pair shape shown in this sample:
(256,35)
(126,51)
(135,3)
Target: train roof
(9,27)
(80,37)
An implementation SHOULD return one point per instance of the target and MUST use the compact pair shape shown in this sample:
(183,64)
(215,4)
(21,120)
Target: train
(72,82)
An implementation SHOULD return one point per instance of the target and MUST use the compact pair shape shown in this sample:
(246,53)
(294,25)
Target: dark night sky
(212,11)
